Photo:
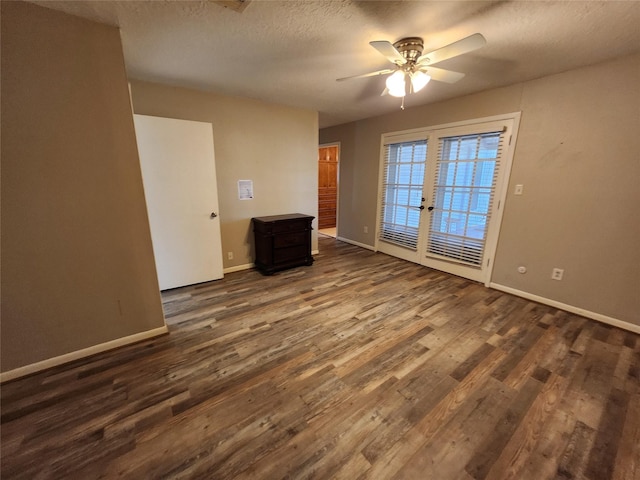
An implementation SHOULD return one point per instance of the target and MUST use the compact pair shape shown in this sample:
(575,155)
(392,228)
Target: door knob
(214,214)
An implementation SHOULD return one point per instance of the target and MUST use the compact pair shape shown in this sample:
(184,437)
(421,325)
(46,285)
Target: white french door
(442,193)
(403,170)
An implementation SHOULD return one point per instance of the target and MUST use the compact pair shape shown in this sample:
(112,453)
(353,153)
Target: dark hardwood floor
(361,366)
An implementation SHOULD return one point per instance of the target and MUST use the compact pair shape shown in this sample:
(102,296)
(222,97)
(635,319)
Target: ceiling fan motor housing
(410,48)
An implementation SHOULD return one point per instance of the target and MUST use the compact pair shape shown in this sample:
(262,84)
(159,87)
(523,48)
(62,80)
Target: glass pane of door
(462,197)
(403,178)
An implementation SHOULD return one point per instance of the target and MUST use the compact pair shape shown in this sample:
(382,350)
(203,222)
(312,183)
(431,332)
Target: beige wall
(77,262)
(577,157)
(273,145)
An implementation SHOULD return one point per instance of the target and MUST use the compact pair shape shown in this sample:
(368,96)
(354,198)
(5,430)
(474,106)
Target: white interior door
(179,176)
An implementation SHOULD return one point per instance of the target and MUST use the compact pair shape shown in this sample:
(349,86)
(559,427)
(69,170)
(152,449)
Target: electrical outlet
(557,273)
(230,255)
(518,190)
(366,229)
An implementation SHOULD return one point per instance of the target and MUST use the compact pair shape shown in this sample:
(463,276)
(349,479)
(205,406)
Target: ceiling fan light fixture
(419,80)
(396,84)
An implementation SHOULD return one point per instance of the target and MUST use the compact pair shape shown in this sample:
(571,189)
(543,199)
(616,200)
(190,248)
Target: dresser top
(279,218)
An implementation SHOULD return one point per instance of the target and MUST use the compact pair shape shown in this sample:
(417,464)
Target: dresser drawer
(290,239)
(290,226)
(284,255)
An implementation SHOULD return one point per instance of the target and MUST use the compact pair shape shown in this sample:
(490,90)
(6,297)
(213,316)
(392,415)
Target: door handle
(213,215)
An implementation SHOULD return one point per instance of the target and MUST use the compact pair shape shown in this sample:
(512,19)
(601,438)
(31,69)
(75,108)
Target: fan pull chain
(402,105)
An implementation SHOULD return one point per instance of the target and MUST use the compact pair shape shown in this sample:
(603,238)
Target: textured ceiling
(291,52)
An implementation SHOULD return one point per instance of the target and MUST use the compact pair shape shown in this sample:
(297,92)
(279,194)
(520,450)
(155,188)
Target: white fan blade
(389,51)
(441,75)
(371,74)
(466,45)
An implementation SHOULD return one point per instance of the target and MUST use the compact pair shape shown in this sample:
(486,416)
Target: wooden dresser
(282,241)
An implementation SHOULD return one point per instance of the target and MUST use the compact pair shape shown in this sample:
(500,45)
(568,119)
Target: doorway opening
(328,161)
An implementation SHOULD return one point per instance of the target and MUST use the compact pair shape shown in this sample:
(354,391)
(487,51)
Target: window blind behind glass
(403,177)
(463,196)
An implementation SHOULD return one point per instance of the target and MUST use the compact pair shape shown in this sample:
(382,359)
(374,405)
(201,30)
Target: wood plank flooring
(362,366)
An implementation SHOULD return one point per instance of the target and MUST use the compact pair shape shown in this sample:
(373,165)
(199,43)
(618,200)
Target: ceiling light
(419,80)
(396,84)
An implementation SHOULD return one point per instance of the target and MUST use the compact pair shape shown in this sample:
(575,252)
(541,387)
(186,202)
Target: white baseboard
(249,266)
(78,354)
(238,268)
(569,308)
(357,244)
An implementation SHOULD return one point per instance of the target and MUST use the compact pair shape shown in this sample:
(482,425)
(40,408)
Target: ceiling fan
(410,62)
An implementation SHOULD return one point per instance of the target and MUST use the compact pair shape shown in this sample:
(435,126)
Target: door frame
(500,191)
(334,144)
